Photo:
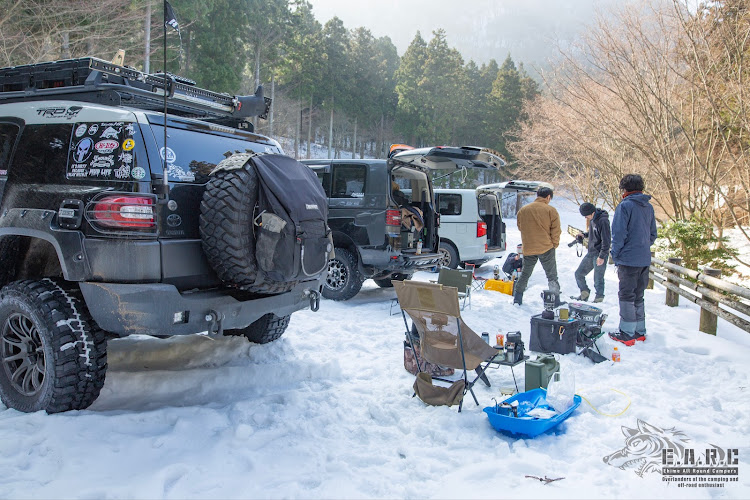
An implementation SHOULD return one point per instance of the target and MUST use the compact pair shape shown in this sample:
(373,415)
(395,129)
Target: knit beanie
(587,209)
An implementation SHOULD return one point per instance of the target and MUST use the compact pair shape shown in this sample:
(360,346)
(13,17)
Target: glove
(579,237)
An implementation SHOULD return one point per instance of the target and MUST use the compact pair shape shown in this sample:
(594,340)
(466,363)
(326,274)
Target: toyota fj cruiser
(382,214)
(96,242)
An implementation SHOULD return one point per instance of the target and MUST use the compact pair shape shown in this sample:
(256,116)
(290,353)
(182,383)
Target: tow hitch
(314,296)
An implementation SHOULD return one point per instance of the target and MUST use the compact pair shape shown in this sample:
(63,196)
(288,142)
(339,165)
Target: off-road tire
(450,255)
(227,230)
(267,329)
(343,280)
(65,354)
(388,282)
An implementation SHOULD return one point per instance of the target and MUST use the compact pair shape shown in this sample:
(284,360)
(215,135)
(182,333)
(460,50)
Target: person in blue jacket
(633,233)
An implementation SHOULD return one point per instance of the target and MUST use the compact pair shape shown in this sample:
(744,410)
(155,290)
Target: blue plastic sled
(502,420)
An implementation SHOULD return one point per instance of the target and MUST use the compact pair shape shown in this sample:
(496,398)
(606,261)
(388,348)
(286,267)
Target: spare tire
(227,230)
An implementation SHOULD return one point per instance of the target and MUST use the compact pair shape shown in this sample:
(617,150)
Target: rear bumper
(161,309)
(402,262)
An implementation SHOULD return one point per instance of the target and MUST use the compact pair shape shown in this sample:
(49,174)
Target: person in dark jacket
(598,251)
(633,233)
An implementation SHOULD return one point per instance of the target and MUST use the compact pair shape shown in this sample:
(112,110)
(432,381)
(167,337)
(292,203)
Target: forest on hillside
(331,84)
(657,87)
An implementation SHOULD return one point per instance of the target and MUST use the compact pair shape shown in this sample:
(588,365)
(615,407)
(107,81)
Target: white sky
(479,29)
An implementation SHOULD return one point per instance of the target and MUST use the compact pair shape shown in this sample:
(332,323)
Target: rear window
(349,181)
(449,204)
(192,155)
(42,153)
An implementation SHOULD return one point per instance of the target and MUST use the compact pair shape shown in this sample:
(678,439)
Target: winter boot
(622,337)
(517,298)
(583,297)
(599,298)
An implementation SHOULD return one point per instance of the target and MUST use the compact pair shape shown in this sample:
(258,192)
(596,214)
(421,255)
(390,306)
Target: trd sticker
(106,146)
(128,144)
(59,112)
(83,150)
(80,130)
(138,173)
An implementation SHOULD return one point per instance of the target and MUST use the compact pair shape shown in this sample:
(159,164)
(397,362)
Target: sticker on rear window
(103,150)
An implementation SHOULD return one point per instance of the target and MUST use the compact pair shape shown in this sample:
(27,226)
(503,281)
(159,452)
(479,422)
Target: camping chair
(477,281)
(458,279)
(444,339)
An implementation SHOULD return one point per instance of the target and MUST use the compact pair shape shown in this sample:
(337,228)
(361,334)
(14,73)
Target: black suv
(382,213)
(95,242)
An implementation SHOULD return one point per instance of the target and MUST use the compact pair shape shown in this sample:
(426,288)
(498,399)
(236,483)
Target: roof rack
(95,80)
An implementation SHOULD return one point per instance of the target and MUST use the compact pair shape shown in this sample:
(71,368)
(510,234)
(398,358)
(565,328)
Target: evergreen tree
(219,52)
(386,99)
(442,84)
(410,96)
(506,104)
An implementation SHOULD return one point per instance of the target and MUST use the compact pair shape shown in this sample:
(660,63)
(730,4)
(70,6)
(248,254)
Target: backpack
(293,239)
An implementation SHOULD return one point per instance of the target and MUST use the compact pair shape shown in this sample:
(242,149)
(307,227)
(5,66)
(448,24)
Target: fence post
(650,285)
(673,298)
(708,319)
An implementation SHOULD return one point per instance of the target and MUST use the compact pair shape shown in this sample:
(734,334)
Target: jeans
(633,282)
(548,264)
(584,268)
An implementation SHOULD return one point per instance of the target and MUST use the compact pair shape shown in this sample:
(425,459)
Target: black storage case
(553,335)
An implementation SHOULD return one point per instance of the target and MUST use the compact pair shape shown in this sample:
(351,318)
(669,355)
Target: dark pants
(633,282)
(548,264)
(584,268)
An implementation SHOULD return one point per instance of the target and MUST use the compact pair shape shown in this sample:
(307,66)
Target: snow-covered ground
(327,412)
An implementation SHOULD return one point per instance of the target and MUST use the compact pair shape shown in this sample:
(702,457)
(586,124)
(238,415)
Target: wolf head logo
(643,448)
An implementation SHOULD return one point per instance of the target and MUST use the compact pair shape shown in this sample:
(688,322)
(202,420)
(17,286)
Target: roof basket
(95,80)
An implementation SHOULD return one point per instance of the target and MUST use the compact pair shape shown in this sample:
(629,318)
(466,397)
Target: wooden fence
(716,297)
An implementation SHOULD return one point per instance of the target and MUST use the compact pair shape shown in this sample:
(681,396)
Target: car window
(8,133)
(105,151)
(192,155)
(325,181)
(449,204)
(349,181)
(40,148)
(488,205)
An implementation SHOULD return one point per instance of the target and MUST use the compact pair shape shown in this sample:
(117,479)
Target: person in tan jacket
(539,224)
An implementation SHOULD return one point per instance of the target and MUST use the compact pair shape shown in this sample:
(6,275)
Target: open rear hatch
(440,159)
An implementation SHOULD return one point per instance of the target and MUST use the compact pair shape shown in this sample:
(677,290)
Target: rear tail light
(481,229)
(122,212)
(393,217)
(393,222)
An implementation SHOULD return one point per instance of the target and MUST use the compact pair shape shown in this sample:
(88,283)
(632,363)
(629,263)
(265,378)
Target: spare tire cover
(226,226)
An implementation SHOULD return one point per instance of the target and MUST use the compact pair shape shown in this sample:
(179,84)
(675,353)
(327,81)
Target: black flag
(169,18)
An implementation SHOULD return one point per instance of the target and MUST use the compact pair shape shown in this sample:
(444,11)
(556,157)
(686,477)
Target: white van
(471,226)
